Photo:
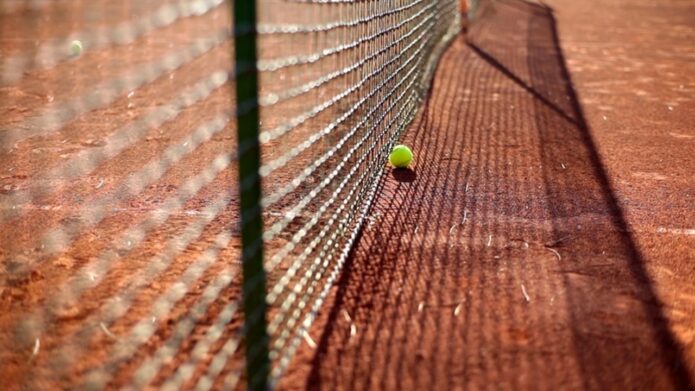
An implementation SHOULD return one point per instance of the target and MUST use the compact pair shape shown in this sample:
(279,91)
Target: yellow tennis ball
(76,48)
(401,156)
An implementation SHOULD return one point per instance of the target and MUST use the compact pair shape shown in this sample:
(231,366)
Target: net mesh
(335,96)
(119,232)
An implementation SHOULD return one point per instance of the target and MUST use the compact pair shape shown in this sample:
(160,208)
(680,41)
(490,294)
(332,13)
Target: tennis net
(146,147)
(338,84)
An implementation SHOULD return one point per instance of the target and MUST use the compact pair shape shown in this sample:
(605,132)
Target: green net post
(254,284)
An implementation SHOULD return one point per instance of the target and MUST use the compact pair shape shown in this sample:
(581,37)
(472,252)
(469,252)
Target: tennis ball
(76,48)
(401,156)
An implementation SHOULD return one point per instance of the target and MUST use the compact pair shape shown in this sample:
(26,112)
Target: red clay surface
(544,238)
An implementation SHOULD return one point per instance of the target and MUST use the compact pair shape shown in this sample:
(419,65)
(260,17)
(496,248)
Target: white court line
(50,207)
(676,231)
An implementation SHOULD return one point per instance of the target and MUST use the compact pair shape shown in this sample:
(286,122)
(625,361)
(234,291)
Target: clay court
(542,238)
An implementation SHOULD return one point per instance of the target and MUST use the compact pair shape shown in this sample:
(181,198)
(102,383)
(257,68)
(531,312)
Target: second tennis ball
(76,48)
(401,156)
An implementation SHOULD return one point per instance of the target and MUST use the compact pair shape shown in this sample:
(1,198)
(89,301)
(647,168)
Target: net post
(254,279)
